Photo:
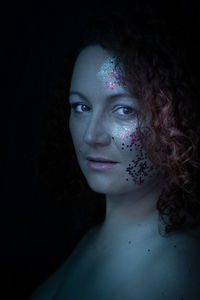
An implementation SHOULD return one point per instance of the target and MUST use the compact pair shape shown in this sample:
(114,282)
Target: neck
(133,212)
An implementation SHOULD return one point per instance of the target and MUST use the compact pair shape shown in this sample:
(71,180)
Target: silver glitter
(110,72)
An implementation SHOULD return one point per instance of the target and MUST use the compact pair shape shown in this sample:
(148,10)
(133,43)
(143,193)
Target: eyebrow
(109,98)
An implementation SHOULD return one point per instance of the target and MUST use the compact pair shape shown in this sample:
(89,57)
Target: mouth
(100,160)
(100,163)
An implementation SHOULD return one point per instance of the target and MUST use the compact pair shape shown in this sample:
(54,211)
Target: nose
(96,133)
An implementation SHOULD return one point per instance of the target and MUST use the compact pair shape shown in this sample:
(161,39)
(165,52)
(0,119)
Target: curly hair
(160,69)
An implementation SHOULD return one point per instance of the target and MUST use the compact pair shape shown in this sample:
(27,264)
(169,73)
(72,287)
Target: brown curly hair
(160,69)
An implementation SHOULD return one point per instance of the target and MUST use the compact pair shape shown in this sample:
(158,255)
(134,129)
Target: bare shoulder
(48,289)
(178,266)
(173,272)
(185,244)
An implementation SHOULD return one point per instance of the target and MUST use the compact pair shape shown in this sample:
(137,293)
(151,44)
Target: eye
(80,107)
(125,111)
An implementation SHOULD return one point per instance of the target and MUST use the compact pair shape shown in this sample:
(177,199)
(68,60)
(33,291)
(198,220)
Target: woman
(135,131)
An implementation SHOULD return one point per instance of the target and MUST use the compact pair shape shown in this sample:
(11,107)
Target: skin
(101,126)
(125,258)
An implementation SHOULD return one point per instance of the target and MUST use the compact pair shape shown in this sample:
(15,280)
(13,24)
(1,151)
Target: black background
(34,37)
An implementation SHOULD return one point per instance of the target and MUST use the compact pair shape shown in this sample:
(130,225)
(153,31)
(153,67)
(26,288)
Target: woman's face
(103,125)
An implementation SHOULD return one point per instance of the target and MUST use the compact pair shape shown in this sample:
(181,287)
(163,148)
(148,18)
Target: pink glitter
(113,79)
(132,136)
(139,168)
(144,168)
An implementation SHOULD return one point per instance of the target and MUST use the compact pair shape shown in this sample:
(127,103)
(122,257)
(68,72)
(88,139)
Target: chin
(108,186)
(102,185)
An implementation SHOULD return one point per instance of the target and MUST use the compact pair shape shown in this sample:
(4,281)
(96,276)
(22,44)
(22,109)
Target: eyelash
(75,105)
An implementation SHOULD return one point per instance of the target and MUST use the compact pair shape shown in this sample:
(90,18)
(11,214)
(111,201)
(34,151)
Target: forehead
(91,69)
(92,56)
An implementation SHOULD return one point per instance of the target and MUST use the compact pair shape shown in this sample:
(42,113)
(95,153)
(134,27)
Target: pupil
(84,107)
(127,110)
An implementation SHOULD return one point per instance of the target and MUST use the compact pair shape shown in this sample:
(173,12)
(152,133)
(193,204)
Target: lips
(100,159)
(100,163)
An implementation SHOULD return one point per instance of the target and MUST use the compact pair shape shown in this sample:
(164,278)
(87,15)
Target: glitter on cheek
(131,137)
(140,167)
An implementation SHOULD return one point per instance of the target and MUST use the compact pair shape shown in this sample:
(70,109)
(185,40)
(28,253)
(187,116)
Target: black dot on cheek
(126,179)
(112,138)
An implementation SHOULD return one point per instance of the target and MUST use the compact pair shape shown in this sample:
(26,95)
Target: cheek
(138,166)
(75,132)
